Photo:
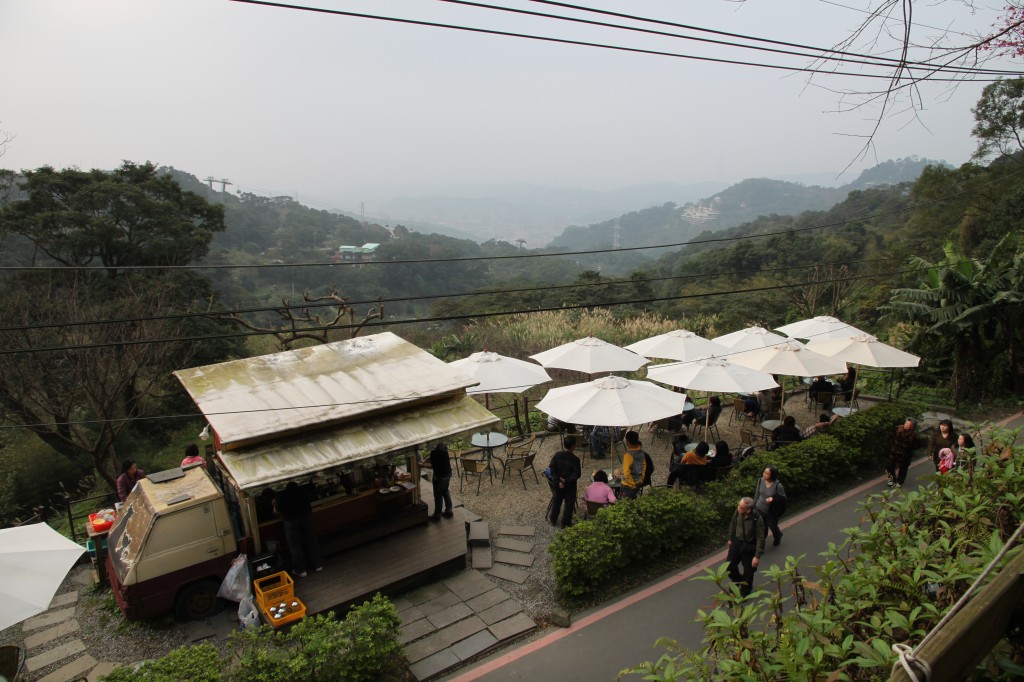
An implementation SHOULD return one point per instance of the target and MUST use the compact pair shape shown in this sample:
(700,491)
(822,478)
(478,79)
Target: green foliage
(889,582)
(321,648)
(586,556)
(999,118)
(316,649)
(196,663)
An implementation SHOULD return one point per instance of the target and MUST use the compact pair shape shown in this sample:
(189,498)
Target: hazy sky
(285,101)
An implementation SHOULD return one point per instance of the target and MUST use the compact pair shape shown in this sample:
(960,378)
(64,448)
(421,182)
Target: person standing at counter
(440,480)
(293,504)
(130,475)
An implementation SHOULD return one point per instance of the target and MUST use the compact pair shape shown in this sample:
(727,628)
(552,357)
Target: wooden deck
(391,565)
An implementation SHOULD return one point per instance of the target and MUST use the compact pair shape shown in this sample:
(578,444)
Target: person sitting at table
(698,414)
(698,456)
(600,441)
(722,458)
(752,407)
(821,385)
(678,450)
(129,476)
(824,421)
(786,433)
(846,384)
(599,491)
(634,465)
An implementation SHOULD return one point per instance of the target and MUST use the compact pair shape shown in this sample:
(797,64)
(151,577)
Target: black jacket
(565,466)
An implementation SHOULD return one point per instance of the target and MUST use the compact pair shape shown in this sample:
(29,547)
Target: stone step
(481,558)
(51,656)
(72,670)
(506,572)
(50,634)
(523,531)
(65,599)
(479,534)
(514,558)
(47,619)
(514,545)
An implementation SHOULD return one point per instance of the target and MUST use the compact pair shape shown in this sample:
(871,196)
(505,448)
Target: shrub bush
(586,556)
(320,648)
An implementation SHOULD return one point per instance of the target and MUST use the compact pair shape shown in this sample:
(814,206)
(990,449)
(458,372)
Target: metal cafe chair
(520,465)
(472,466)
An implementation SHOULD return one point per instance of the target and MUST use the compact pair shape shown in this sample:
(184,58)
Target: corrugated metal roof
(256,399)
(305,454)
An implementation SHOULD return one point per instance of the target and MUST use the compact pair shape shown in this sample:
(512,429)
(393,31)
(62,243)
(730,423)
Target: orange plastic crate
(274,589)
(291,615)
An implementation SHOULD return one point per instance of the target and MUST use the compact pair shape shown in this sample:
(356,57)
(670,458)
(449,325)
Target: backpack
(648,469)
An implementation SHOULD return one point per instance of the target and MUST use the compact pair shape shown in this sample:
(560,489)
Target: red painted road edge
(541,642)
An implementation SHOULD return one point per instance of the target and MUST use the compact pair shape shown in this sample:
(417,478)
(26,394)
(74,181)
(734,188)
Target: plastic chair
(12,661)
(739,411)
(475,467)
(520,465)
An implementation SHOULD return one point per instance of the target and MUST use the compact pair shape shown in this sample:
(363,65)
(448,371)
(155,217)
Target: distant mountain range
(579,217)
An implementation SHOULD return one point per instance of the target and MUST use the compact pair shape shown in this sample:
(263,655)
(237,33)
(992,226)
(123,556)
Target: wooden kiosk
(348,419)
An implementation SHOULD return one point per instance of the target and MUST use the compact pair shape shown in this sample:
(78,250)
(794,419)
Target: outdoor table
(843,411)
(771,424)
(489,441)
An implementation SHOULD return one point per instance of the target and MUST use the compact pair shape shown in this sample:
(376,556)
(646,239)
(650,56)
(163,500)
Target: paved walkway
(621,634)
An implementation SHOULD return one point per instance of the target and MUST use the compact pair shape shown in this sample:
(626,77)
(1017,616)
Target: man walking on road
(902,450)
(565,471)
(746,545)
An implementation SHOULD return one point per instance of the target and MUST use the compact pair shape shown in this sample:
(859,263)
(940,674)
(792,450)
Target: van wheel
(197,601)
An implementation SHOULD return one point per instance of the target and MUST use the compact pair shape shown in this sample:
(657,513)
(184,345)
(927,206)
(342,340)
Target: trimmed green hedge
(589,555)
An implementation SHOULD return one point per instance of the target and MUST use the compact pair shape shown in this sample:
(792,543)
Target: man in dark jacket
(746,545)
(440,480)
(565,471)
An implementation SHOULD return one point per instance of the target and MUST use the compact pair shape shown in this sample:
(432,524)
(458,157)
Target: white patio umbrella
(820,327)
(611,401)
(791,358)
(865,349)
(748,339)
(678,345)
(500,374)
(591,356)
(712,374)
(34,560)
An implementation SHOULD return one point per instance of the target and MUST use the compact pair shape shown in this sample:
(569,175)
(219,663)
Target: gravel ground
(104,630)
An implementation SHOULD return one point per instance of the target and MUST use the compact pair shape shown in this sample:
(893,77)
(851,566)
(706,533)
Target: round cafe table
(489,441)
(843,411)
(771,424)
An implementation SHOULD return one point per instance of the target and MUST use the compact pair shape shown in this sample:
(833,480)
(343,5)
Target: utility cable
(463,294)
(584,43)
(448,318)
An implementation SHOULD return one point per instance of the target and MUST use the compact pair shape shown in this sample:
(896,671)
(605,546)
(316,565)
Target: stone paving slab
(450,615)
(524,531)
(469,584)
(401,604)
(59,653)
(487,599)
(480,558)
(440,603)
(499,612)
(463,629)
(479,534)
(75,668)
(426,593)
(411,614)
(432,665)
(514,545)
(514,575)
(426,646)
(512,627)
(102,668)
(471,646)
(50,634)
(415,630)
(65,599)
(470,517)
(82,578)
(515,558)
(47,619)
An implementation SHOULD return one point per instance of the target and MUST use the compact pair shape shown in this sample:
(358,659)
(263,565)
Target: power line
(584,43)
(448,318)
(403,299)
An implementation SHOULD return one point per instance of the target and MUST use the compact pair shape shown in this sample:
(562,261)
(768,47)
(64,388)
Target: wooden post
(970,635)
